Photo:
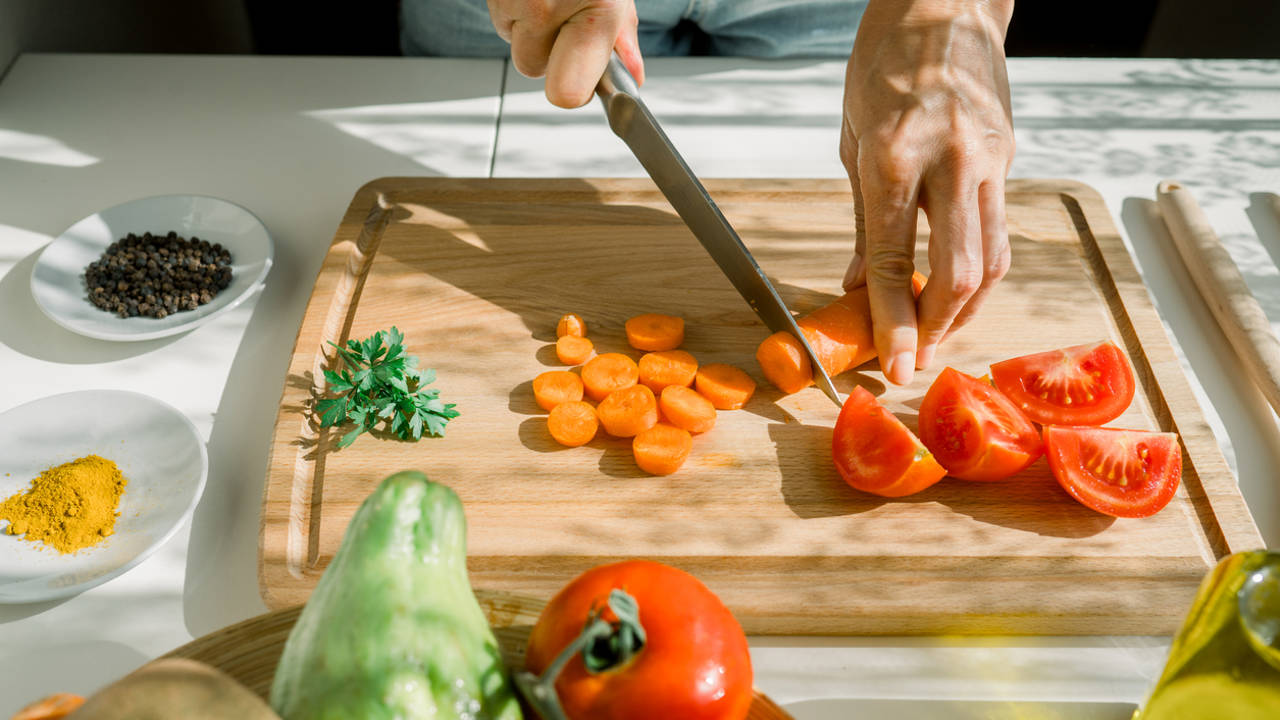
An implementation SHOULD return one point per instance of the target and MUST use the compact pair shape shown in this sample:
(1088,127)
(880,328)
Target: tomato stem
(603,645)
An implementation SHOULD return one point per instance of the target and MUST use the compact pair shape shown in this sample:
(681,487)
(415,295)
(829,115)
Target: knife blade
(631,120)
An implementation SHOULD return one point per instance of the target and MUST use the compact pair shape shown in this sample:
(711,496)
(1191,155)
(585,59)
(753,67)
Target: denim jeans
(742,28)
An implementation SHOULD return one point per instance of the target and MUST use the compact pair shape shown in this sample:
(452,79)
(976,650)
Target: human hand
(927,124)
(569,41)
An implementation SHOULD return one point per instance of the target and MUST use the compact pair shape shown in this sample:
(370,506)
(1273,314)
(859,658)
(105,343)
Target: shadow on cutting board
(958,710)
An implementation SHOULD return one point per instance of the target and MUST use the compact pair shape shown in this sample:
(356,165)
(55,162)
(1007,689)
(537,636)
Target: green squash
(393,629)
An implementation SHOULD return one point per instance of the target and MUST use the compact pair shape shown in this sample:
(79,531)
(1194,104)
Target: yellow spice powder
(69,507)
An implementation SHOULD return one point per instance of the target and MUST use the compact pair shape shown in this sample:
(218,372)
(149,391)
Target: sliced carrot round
(661,449)
(652,331)
(667,367)
(571,324)
(573,423)
(628,411)
(608,372)
(556,386)
(686,409)
(783,360)
(727,387)
(55,706)
(571,349)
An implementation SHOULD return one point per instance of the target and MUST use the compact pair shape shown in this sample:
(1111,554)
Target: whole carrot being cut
(628,411)
(556,386)
(655,332)
(840,334)
(573,423)
(608,372)
(661,449)
(727,387)
(667,367)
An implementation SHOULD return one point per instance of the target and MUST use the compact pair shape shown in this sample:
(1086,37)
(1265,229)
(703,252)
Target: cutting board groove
(475,272)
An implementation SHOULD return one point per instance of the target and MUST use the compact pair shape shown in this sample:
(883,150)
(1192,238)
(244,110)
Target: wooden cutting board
(476,272)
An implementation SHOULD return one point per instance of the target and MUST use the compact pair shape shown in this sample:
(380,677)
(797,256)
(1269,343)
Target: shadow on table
(843,709)
(27,330)
(1252,426)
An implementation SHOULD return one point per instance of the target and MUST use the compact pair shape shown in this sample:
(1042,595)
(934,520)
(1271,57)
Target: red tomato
(1125,473)
(876,453)
(974,431)
(694,664)
(1080,385)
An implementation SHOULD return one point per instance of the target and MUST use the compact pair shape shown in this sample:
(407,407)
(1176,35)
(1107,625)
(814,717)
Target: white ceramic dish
(57,281)
(157,449)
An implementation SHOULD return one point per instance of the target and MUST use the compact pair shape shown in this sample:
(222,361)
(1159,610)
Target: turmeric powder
(69,507)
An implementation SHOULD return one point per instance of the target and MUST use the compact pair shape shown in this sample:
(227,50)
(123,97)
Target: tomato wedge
(974,431)
(1079,385)
(876,453)
(1125,473)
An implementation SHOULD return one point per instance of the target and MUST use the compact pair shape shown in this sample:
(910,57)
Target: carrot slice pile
(571,324)
(572,349)
(839,333)
(628,411)
(662,449)
(727,387)
(556,386)
(655,332)
(573,423)
(667,367)
(606,373)
(686,409)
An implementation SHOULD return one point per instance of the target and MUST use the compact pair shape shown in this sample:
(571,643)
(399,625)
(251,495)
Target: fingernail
(851,275)
(925,357)
(898,368)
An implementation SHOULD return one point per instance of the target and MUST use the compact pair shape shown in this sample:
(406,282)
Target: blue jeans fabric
(741,28)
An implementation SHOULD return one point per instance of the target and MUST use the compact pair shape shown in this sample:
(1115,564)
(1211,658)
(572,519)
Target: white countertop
(292,138)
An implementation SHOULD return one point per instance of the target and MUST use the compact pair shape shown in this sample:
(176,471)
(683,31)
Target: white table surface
(292,138)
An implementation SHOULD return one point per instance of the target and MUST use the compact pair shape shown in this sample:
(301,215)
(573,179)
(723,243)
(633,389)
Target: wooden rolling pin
(1223,288)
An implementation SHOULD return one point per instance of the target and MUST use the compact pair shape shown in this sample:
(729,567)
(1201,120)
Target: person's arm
(927,124)
(569,41)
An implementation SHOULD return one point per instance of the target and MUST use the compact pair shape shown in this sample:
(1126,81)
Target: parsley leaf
(381,383)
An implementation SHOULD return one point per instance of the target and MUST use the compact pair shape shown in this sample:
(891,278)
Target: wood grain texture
(476,272)
(250,650)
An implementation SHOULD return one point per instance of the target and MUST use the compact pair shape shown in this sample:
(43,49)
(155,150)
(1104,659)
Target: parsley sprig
(381,383)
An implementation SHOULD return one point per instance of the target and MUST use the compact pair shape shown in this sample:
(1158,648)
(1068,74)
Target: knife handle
(616,79)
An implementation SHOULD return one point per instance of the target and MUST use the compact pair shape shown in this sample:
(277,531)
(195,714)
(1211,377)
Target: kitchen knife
(632,121)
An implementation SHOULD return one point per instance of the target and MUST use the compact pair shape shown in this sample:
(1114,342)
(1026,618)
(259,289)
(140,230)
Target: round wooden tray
(249,651)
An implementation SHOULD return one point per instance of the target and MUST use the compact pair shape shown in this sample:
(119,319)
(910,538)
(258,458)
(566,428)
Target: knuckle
(889,267)
(996,268)
(965,282)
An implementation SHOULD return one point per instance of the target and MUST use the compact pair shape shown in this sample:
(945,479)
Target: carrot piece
(573,423)
(686,409)
(655,332)
(571,349)
(667,367)
(628,411)
(608,372)
(571,324)
(53,707)
(727,387)
(556,386)
(839,333)
(661,449)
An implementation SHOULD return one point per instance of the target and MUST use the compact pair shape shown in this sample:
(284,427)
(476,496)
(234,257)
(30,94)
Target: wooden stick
(1223,288)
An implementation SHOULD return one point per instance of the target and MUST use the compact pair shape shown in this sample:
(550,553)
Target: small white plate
(57,281)
(157,449)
